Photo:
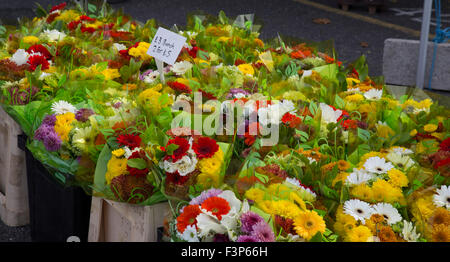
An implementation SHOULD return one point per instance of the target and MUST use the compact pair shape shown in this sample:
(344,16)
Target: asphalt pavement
(353,34)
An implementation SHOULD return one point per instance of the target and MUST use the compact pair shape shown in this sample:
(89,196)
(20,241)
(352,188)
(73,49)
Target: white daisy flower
(358,209)
(61,107)
(190,234)
(403,162)
(442,198)
(20,57)
(186,165)
(119,47)
(409,232)
(150,78)
(329,115)
(390,213)
(359,176)
(180,68)
(53,35)
(377,165)
(400,150)
(373,94)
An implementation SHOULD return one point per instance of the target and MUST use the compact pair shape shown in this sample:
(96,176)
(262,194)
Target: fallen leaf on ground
(364,44)
(322,21)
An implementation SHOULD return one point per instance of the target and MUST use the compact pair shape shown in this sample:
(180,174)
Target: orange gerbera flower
(217,206)
(188,217)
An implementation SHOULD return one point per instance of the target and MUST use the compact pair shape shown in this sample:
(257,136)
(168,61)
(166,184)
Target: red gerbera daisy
(73,25)
(183,147)
(188,217)
(445,145)
(35,60)
(179,87)
(39,49)
(205,147)
(217,206)
(134,171)
(291,120)
(176,179)
(207,95)
(129,140)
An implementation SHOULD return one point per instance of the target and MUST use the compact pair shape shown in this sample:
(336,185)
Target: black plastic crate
(57,212)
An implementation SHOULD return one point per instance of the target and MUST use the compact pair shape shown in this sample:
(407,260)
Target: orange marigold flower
(377,218)
(387,235)
(343,165)
(188,217)
(217,206)
(441,233)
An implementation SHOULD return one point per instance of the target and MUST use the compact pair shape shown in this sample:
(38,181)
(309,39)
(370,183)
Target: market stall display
(241,139)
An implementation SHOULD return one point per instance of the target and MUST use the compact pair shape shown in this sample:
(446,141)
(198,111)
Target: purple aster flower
(263,232)
(221,238)
(245,238)
(49,120)
(43,131)
(52,142)
(248,220)
(234,91)
(205,195)
(83,114)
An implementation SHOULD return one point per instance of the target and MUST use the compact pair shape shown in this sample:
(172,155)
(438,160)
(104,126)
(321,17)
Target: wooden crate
(13,174)
(113,221)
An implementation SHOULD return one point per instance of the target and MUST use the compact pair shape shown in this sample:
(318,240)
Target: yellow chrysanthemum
(211,165)
(359,234)
(309,223)
(397,178)
(149,98)
(31,40)
(430,128)
(68,16)
(246,69)
(63,125)
(354,98)
(284,208)
(140,51)
(110,73)
(255,194)
(115,167)
(362,191)
(118,152)
(385,192)
(341,177)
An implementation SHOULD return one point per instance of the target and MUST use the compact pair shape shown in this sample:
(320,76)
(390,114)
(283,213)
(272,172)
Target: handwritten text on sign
(166,46)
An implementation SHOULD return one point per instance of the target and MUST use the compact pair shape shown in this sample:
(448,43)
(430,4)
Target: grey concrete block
(400,59)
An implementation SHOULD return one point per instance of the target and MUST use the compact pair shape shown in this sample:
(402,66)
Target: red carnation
(35,60)
(87,29)
(52,17)
(179,87)
(291,120)
(208,96)
(193,52)
(129,140)
(134,171)
(183,147)
(73,25)
(349,123)
(87,18)
(58,7)
(445,145)
(39,49)
(175,178)
(205,147)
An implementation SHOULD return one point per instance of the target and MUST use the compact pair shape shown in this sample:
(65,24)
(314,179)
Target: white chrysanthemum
(54,35)
(403,162)
(390,213)
(400,150)
(20,57)
(442,197)
(293,181)
(359,176)
(82,138)
(186,165)
(409,232)
(190,234)
(180,68)
(329,115)
(358,209)
(377,165)
(119,47)
(150,78)
(373,94)
(62,107)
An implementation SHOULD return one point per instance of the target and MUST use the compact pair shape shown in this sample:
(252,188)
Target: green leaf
(102,167)
(170,148)
(340,103)
(363,134)
(138,163)
(316,238)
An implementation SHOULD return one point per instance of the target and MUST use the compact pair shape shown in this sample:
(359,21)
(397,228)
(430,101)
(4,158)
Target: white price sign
(166,46)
